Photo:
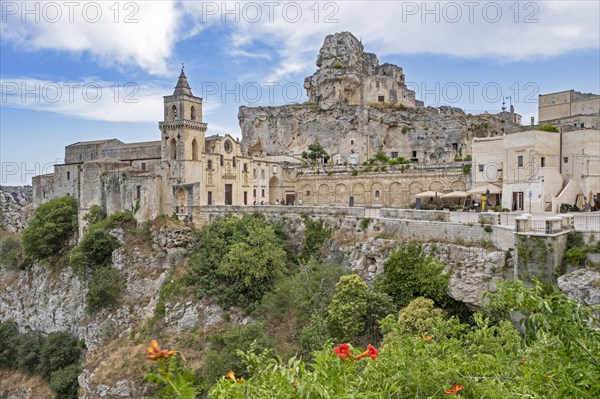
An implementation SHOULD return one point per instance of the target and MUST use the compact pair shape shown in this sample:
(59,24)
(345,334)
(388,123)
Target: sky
(76,70)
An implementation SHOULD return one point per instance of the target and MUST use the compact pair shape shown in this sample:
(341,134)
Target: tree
(60,350)
(346,316)
(50,228)
(315,152)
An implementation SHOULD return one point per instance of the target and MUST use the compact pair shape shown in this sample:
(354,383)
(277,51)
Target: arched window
(193,113)
(377,194)
(174,112)
(172,149)
(194,150)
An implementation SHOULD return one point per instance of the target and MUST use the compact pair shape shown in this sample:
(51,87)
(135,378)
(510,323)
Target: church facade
(179,174)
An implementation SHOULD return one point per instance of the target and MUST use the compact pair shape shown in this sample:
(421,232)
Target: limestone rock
(581,285)
(15,208)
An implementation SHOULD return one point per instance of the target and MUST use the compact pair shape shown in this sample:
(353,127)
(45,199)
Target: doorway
(229,194)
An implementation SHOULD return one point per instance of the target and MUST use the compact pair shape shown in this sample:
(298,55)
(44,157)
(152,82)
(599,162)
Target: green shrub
(575,256)
(64,382)
(315,234)
(50,228)
(9,342)
(346,316)
(364,223)
(60,350)
(466,169)
(237,260)
(548,128)
(409,273)
(95,215)
(29,351)
(11,252)
(487,228)
(314,335)
(420,317)
(574,239)
(94,251)
(222,354)
(105,288)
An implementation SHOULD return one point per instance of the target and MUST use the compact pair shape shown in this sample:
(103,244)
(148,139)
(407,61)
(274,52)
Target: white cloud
(114,33)
(522,30)
(90,98)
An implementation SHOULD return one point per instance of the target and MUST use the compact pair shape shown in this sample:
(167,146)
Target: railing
(589,222)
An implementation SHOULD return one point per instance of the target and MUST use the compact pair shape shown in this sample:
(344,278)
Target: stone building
(570,110)
(178,174)
(538,171)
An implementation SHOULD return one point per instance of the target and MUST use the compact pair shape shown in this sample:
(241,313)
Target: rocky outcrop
(15,206)
(473,271)
(581,285)
(357,107)
(358,132)
(347,74)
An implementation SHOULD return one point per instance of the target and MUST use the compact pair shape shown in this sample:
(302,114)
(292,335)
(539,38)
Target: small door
(245,197)
(290,199)
(210,198)
(229,194)
(351,201)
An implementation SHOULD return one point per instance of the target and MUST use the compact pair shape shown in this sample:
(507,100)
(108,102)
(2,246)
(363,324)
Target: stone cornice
(173,125)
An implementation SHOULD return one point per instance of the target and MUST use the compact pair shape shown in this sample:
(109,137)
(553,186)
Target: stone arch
(396,194)
(341,194)
(436,186)
(458,185)
(414,189)
(324,193)
(308,195)
(193,113)
(172,149)
(358,192)
(181,201)
(194,150)
(274,190)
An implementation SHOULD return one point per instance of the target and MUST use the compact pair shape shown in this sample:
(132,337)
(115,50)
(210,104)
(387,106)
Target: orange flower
(343,351)
(231,376)
(522,361)
(371,352)
(155,353)
(427,338)
(454,390)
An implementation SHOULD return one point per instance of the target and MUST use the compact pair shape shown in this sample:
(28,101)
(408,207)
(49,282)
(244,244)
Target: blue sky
(97,70)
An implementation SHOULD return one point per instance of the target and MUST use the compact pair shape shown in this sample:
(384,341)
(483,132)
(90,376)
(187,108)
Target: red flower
(454,390)
(343,351)
(371,352)
(155,353)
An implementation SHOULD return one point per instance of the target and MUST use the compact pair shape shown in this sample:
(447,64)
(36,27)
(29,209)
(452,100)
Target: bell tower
(182,131)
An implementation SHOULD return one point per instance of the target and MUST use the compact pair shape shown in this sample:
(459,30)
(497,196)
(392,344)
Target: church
(179,174)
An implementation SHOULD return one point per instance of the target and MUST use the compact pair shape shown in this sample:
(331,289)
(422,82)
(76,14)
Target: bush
(236,259)
(95,215)
(64,382)
(487,228)
(548,128)
(11,252)
(346,316)
(575,256)
(9,342)
(419,317)
(94,251)
(60,350)
(29,351)
(409,273)
(104,288)
(50,228)
(222,354)
(315,235)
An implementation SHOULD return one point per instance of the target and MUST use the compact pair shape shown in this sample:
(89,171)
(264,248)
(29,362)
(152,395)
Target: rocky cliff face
(427,134)
(358,107)
(15,206)
(348,74)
